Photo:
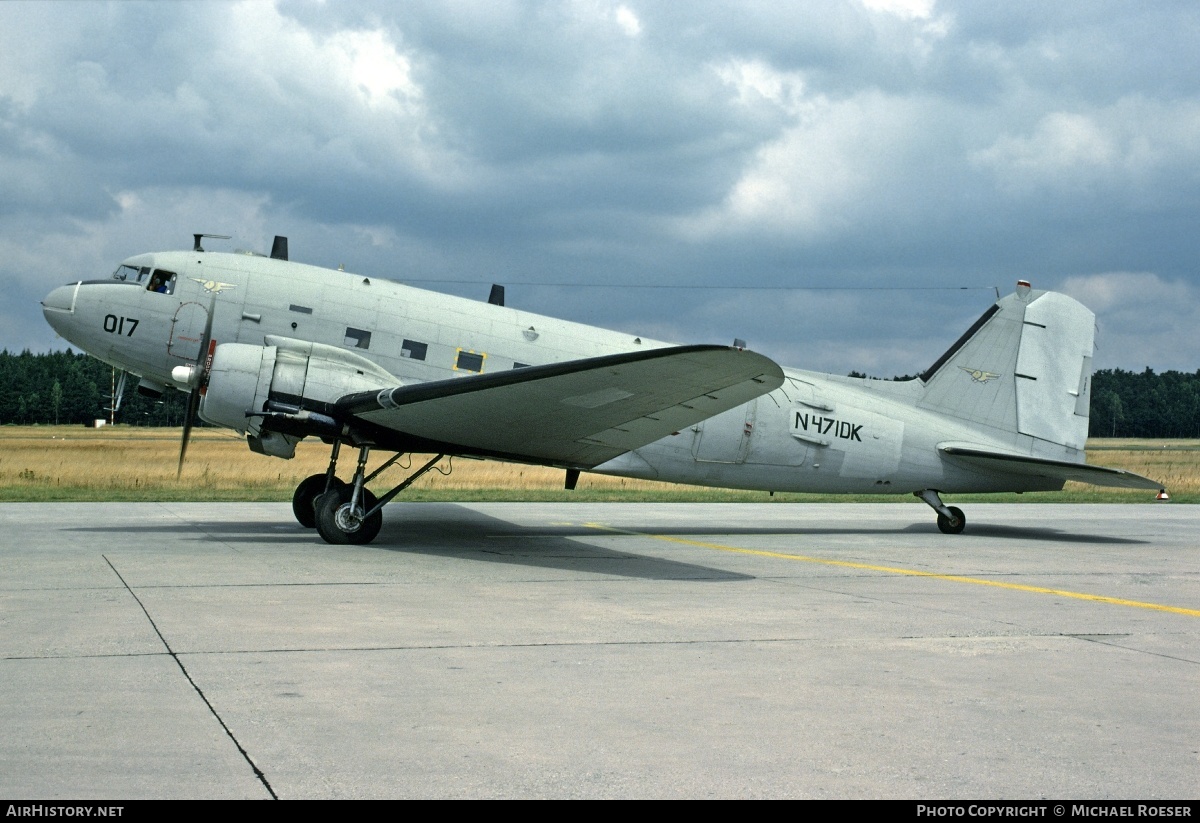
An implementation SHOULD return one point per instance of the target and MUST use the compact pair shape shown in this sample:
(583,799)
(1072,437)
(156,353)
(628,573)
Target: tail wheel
(338,524)
(305,499)
(954,524)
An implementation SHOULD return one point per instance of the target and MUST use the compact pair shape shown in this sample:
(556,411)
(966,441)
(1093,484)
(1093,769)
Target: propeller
(196,376)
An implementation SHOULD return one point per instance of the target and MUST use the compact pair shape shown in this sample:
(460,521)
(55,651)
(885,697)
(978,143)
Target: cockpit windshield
(134,274)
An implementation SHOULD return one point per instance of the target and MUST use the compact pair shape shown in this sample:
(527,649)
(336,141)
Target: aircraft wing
(579,413)
(1043,467)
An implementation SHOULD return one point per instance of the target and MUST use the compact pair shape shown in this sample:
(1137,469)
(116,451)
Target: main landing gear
(344,512)
(950,519)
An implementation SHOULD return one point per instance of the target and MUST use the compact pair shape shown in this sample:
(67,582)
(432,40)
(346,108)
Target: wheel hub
(347,519)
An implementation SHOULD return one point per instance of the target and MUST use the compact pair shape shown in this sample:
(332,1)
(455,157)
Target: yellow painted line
(953,578)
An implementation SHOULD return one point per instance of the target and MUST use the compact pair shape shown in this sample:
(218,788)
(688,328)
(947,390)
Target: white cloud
(1142,318)
(834,162)
(372,62)
(906,9)
(1131,143)
(756,81)
(628,21)
(1062,141)
(926,29)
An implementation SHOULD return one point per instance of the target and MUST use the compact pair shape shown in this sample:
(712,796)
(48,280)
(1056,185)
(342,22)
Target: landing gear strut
(304,501)
(950,519)
(347,512)
(350,514)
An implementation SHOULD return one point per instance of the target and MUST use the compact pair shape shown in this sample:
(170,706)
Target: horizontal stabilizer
(578,413)
(1042,467)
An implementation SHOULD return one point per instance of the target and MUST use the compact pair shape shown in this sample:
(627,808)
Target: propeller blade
(192,405)
(204,361)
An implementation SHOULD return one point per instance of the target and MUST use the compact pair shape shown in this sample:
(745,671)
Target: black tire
(305,499)
(336,526)
(955,525)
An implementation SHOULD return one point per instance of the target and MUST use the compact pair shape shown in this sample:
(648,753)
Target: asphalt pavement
(194,650)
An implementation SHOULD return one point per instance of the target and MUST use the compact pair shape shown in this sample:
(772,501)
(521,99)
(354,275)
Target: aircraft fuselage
(819,433)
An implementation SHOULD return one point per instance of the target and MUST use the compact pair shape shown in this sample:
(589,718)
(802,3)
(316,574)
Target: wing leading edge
(1043,467)
(578,413)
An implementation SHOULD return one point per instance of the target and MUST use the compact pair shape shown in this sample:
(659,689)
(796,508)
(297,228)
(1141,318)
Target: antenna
(279,248)
(496,298)
(197,247)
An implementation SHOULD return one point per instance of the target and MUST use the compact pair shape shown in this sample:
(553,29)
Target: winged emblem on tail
(979,375)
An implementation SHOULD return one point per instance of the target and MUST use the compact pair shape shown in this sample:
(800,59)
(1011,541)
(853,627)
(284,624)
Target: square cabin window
(357,338)
(414,349)
(469,361)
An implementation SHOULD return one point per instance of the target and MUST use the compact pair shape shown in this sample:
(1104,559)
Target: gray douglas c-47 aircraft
(280,351)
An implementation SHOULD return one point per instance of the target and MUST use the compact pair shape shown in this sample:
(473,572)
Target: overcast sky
(887,162)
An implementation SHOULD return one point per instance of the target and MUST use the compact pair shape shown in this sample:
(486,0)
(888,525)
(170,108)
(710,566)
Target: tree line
(68,387)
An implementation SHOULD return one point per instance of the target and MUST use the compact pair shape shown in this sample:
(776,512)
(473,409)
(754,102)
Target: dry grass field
(42,463)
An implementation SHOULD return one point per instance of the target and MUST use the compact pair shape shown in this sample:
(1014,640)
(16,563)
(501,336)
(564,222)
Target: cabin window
(161,281)
(357,339)
(469,361)
(300,309)
(414,349)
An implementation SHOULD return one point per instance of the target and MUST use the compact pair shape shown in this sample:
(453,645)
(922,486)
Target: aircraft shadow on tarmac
(1030,533)
(454,530)
(436,522)
(450,530)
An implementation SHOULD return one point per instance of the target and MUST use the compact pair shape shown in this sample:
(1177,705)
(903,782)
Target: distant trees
(1145,404)
(68,387)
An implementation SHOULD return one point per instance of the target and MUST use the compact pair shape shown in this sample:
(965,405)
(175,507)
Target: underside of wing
(578,413)
(1043,467)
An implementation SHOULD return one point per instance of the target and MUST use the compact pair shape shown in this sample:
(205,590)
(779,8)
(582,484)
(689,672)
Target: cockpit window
(161,281)
(127,272)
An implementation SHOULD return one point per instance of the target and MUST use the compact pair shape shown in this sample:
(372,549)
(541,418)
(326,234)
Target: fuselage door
(187,328)
(726,437)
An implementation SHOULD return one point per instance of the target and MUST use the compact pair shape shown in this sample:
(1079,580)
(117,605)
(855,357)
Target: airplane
(279,351)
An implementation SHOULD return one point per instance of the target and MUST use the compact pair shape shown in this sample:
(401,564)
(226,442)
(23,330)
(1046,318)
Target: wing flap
(1044,467)
(578,413)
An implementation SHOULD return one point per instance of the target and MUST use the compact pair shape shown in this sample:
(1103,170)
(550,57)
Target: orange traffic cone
(1162,495)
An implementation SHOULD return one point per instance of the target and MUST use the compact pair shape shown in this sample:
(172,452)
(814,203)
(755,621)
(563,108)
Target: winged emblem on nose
(212,286)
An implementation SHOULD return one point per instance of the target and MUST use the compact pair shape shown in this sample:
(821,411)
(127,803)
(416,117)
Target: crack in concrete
(246,755)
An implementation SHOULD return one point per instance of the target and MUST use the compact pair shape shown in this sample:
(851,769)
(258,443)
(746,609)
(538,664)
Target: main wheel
(305,498)
(337,524)
(954,524)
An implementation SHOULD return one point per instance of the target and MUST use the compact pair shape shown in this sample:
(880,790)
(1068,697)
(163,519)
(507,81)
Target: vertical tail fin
(1024,367)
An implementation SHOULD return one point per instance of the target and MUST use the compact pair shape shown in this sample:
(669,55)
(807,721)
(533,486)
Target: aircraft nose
(58,307)
(61,299)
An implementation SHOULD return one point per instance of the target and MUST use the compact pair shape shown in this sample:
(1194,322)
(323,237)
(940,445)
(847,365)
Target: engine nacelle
(246,379)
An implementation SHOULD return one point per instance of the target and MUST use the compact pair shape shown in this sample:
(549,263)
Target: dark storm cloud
(857,144)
